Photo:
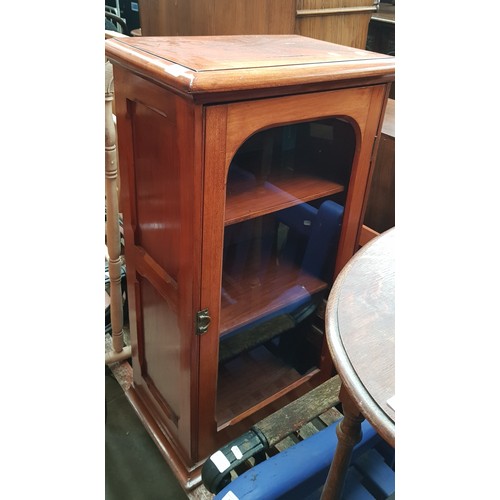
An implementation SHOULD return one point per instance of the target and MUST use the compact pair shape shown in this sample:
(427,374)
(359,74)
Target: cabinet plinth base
(188,477)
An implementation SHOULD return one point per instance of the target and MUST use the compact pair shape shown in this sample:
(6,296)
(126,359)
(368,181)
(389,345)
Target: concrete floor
(135,469)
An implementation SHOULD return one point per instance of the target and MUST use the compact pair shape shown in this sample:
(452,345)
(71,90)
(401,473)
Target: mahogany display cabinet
(244,166)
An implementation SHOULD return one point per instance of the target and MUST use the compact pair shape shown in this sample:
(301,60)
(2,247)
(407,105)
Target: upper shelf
(246,201)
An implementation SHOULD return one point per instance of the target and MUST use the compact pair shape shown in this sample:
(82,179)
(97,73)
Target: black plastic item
(216,471)
(130,12)
(113,21)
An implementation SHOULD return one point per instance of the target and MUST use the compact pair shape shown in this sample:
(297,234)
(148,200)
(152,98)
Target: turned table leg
(349,434)
(112,224)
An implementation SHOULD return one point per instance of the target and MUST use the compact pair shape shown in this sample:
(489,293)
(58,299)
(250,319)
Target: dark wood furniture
(360,333)
(340,21)
(381,31)
(380,210)
(230,149)
(381,34)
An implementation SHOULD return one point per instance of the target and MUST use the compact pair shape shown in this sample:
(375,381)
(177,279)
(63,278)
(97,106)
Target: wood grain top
(214,53)
(200,64)
(360,330)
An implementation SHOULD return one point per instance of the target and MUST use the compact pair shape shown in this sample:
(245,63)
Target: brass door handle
(202,321)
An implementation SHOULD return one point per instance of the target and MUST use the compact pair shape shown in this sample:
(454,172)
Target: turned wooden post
(112,219)
(348,434)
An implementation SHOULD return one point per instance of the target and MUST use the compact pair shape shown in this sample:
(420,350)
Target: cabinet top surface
(213,53)
(232,62)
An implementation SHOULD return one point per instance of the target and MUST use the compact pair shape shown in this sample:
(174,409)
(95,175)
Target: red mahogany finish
(185,107)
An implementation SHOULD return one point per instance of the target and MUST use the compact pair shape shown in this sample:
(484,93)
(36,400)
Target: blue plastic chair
(299,472)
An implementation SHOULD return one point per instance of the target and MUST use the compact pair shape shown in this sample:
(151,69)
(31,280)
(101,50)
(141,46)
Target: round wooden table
(360,334)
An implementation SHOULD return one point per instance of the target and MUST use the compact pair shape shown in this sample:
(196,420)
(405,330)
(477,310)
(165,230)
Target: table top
(360,331)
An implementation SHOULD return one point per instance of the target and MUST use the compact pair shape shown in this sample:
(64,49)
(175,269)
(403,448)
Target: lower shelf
(250,379)
(281,288)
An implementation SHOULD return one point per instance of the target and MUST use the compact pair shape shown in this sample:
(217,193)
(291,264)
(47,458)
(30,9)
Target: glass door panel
(284,205)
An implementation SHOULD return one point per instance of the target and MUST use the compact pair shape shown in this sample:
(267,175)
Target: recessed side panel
(161,350)
(160,198)
(157,181)
(156,250)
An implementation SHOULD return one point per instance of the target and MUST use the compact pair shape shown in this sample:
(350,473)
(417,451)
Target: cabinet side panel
(161,349)
(161,200)
(157,186)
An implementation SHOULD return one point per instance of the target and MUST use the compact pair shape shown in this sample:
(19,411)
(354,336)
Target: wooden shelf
(250,379)
(246,201)
(244,301)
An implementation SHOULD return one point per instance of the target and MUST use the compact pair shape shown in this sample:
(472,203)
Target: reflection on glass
(284,205)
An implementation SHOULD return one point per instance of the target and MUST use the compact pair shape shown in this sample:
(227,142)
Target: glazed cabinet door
(284,191)
(160,167)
